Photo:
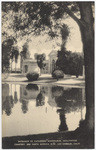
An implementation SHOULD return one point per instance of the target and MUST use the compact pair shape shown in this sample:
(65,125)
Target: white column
(83,71)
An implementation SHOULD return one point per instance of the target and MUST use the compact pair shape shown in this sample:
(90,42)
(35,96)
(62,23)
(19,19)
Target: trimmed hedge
(32,87)
(32,76)
(57,91)
(57,74)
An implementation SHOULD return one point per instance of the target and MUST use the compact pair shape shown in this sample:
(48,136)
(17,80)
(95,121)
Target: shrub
(32,87)
(57,74)
(32,76)
(57,91)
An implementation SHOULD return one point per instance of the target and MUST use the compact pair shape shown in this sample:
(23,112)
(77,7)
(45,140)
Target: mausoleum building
(30,65)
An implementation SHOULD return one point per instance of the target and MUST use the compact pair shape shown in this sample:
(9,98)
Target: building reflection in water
(15,97)
(68,103)
(28,93)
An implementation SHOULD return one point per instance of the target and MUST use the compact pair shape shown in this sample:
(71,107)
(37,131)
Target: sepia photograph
(47,74)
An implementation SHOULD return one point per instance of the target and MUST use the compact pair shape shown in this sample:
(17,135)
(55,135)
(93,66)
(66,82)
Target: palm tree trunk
(15,67)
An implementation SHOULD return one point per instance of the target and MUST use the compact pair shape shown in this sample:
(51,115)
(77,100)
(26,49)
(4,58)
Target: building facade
(30,65)
(52,60)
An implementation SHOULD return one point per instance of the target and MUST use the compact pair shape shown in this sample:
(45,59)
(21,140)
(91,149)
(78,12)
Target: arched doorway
(26,68)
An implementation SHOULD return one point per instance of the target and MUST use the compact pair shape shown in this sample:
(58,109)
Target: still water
(35,109)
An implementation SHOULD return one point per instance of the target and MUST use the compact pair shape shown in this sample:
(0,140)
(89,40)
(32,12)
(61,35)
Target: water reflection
(55,108)
(63,125)
(15,97)
(40,99)
(24,106)
(8,105)
(29,92)
(33,87)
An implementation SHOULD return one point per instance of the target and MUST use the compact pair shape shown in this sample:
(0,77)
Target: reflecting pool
(36,109)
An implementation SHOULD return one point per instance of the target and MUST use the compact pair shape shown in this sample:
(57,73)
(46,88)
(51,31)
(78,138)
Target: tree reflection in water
(24,106)
(63,125)
(44,90)
(57,91)
(27,92)
(32,87)
(40,99)
(8,105)
(68,100)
